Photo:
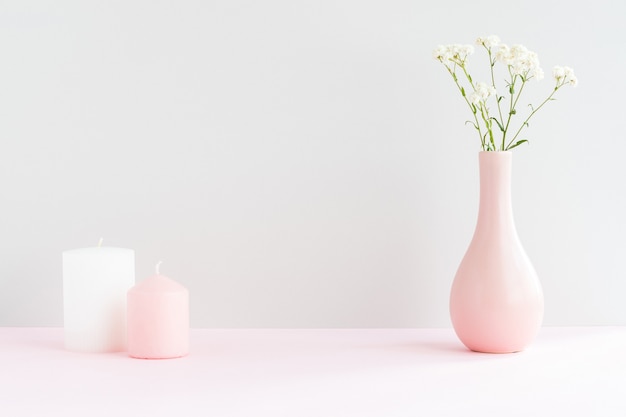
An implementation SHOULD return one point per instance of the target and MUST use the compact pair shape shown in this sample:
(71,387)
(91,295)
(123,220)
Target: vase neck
(495,187)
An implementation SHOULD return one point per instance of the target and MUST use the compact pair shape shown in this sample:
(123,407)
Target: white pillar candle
(95,282)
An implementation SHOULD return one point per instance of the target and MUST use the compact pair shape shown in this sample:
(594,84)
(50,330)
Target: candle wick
(100,242)
(157,267)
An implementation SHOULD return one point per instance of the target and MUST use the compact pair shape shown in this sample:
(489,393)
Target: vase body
(496,301)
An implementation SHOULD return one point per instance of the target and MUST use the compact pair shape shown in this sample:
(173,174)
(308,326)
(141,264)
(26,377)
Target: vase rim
(495,155)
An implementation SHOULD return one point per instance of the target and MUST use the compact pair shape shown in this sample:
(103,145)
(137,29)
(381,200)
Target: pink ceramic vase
(496,302)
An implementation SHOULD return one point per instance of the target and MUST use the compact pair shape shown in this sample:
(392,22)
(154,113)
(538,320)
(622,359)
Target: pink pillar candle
(158,319)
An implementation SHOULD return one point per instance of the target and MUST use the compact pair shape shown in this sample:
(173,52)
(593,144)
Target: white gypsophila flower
(481,92)
(532,60)
(531,64)
(565,75)
(455,52)
(461,52)
(514,57)
(570,77)
(493,40)
(468,49)
(558,72)
(520,60)
(442,53)
(503,54)
(474,98)
(488,41)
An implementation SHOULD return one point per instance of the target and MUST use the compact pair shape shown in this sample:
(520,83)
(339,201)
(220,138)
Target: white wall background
(299,163)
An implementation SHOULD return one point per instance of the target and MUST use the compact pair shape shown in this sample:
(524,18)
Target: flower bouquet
(494,124)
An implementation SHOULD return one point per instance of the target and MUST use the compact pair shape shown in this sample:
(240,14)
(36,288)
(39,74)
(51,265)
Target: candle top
(98,249)
(158,283)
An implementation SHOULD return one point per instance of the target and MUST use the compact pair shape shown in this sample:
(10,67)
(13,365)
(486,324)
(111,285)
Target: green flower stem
(519,93)
(488,124)
(513,103)
(469,78)
(508,120)
(532,113)
(492,63)
(484,112)
(456,81)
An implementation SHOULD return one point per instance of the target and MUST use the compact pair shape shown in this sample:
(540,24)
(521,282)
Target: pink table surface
(578,371)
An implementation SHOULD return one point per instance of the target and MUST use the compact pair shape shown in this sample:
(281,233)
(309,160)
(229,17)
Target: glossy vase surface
(496,301)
